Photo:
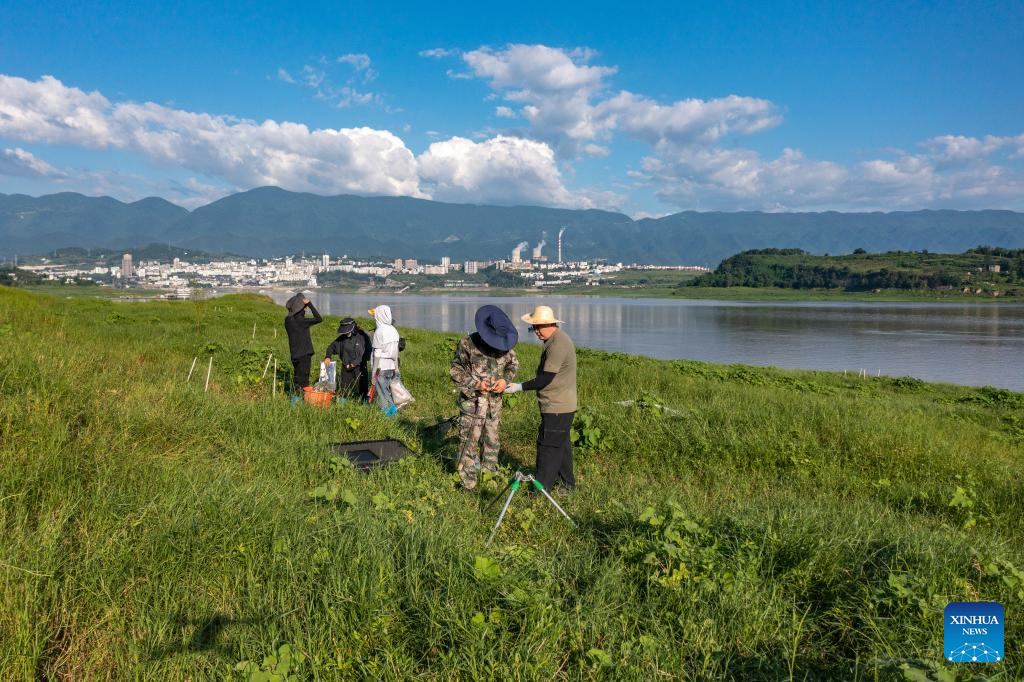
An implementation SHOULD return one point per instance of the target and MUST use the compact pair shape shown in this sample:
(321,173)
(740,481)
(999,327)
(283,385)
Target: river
(961,343)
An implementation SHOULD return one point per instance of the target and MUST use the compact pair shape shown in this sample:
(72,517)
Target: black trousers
(354,383)
(301,377)
(554,450)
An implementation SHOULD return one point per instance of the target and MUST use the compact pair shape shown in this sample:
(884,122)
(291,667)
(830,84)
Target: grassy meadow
(734,522)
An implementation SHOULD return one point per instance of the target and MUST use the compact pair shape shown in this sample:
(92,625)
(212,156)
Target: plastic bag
(399,393)
(328,377)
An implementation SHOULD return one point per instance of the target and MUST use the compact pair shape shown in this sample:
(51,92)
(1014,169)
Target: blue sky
(641,107)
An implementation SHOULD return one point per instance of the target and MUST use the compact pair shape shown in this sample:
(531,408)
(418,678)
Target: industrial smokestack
(517,253)
(560,233)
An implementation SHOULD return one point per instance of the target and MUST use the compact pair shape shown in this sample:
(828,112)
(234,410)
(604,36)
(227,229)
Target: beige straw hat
(542,314)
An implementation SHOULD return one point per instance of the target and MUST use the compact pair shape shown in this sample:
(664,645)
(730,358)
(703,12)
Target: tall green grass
(734,522)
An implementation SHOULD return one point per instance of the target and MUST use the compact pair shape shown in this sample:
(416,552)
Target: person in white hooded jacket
(385,357)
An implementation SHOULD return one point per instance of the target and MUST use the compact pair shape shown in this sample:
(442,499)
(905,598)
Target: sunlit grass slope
(734,522)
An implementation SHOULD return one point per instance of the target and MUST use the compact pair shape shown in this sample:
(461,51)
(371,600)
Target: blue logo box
(973,632)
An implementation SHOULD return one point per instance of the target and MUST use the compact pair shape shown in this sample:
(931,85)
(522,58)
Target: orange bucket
(321,399)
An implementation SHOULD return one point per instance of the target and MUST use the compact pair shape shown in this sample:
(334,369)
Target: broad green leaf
(485,568)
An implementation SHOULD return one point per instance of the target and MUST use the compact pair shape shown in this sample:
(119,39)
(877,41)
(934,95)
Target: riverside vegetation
(734,522)
(984,270)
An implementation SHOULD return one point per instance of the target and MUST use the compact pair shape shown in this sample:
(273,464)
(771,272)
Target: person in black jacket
(353,350)
(299,342)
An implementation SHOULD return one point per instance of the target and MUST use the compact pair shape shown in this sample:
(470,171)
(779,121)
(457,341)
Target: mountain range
(270,221)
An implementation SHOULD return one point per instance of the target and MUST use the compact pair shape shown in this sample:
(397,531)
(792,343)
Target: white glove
(513,388)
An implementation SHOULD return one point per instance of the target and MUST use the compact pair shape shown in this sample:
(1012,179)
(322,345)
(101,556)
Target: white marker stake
(275,378)
(209,368)
(254,330)
(266,367)
(190,370)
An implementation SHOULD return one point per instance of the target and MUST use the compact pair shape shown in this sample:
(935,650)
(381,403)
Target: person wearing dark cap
(484,365)
(353,350)
(299,342)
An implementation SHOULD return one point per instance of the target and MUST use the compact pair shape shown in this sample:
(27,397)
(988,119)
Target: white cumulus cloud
(689,120)
(568,103)
(17,161)
(47,111)
(693,160)
(238,153)
(242,152)
(538,68)
(506,170)
(962,147)
(714,178)
(555,87)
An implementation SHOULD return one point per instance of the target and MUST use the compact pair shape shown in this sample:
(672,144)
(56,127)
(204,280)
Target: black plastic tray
(370,454)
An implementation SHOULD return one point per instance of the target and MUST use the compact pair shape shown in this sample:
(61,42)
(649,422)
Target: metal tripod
(513,485)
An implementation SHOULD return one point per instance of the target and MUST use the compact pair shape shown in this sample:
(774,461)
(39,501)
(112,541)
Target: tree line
(797,269)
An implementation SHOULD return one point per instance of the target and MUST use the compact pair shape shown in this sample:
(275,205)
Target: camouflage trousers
(479,437)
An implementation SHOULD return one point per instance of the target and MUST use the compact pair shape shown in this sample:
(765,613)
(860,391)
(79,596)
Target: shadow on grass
(440,439)
(208,636)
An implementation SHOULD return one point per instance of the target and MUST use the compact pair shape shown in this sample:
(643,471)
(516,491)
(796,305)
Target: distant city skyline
(175,273)
(647,109)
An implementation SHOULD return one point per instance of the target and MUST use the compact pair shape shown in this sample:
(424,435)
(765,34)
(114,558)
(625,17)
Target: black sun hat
(495,328)
(347,326)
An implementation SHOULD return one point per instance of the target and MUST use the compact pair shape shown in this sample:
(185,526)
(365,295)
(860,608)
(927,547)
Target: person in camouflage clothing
(484,364)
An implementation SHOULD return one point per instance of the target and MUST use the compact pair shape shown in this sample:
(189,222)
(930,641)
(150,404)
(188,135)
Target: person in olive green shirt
(555,384)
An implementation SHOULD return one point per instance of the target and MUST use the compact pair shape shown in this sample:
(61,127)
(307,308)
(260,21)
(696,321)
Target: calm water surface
(973,344)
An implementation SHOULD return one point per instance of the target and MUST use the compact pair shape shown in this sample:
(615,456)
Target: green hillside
(270,221)
(38,224)
(980,270)
(734,522)
(76,255)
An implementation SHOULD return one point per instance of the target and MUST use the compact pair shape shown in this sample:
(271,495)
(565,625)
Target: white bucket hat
(542,314)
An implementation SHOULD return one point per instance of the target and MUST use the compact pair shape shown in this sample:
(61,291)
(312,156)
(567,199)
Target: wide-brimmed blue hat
(496,330)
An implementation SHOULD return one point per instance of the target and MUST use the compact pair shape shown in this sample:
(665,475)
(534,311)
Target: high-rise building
(411,264)
(398,264)
(325,260)
(470,267)
(446,263)
(126,265)
(176,264)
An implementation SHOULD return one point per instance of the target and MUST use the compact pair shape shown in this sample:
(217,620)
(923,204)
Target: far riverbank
(752,294)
